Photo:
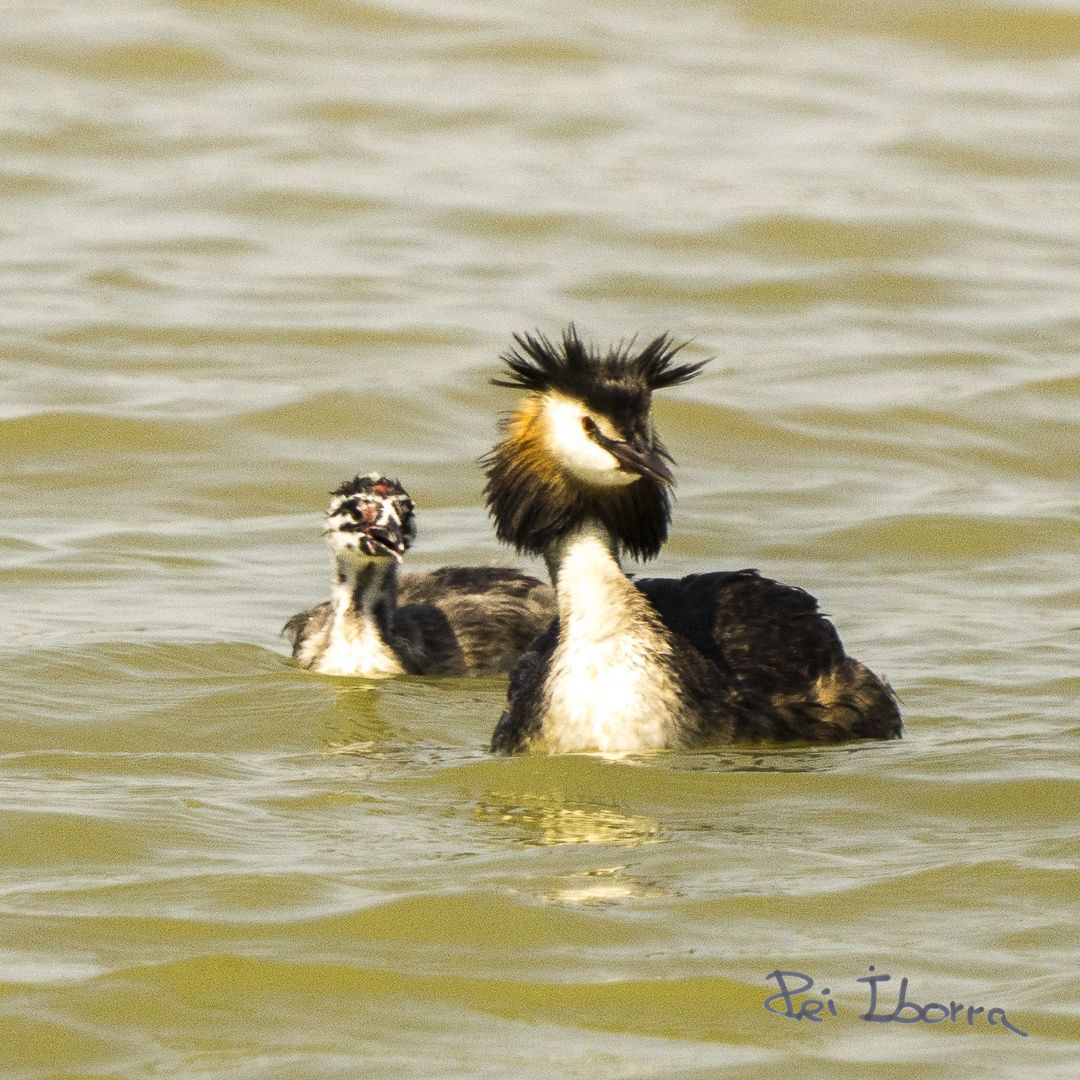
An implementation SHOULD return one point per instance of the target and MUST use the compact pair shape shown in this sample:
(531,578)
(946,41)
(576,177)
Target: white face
(575,451)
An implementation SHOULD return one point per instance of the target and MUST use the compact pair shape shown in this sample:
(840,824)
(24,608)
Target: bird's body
(458,620)
(657,663)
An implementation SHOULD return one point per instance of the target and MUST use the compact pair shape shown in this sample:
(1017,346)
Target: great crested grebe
(459,620)
(580,476)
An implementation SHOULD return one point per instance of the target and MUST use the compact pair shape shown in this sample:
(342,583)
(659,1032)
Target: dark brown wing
(773,649)
(492,613)
(305,623)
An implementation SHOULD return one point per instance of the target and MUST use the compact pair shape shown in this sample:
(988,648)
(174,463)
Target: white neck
(363,601)
(610,686)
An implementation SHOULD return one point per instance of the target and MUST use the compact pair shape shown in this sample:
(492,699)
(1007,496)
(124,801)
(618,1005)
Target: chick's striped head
(370,517)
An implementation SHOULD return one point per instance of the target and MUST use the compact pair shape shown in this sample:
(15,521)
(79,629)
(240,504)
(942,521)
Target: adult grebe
(580,476)
(459,620)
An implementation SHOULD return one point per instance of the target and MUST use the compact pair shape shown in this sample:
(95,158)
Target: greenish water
(251,247)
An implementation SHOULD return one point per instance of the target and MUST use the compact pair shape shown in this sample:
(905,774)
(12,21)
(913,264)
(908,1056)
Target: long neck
(584,558)
(611,685)
(366,592)
(359,637)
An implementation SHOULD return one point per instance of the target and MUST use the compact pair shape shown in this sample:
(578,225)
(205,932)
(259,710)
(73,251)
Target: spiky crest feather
(580,371)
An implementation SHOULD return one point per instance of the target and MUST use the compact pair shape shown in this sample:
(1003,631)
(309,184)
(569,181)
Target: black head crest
(571,367)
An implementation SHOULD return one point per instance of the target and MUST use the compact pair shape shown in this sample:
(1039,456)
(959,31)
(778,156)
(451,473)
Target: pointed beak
(645,461)
(385,539)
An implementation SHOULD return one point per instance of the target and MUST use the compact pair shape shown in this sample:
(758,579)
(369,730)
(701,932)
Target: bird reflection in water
(553,820)
(604,885)
(354,724)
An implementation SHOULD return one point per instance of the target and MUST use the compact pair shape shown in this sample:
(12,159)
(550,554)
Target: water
(250,248)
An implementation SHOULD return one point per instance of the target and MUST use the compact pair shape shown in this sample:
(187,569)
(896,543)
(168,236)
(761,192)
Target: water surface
(252,247)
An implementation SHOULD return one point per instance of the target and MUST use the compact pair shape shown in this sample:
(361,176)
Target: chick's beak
(385,539)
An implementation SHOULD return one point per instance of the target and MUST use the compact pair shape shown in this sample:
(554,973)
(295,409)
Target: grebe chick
(579,477)
(459,620)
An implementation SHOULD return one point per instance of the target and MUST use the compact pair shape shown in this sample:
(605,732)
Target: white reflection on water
(603,886)
(550,818)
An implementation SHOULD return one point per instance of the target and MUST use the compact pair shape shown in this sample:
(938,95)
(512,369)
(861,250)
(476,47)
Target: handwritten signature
(820,1006)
